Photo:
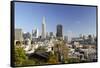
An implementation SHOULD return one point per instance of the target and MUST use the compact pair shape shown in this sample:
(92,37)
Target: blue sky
(75,19)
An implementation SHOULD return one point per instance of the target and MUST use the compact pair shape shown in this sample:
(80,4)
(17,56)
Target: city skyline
(74,19)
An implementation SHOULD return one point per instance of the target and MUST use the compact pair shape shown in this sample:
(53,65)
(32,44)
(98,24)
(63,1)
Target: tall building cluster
(35,33)
(19,35)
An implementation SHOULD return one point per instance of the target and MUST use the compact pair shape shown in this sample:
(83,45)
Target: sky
(75,20)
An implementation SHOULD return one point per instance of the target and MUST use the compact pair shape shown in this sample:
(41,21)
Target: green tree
(53,59)
(73,60)
(20,56)
(21,59)
(61,51)
(29,62)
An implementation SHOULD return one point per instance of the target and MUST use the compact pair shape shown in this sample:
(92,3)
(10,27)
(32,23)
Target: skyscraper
(27,35)
(35,33)
(66,38)
(51,34)
(81,35)
(43,28)
(18,35)
(59,32)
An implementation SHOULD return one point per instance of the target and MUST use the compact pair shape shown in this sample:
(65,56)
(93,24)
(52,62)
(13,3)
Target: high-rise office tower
(66,38)
(27,35)
(81,35)
(35,33)
(43,28)
(51,34)
(59,32)
(47,34)
(18,35)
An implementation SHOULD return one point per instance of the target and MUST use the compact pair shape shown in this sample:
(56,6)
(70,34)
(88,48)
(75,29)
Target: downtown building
(18,35)
(59,33)
(26,38)
(43,35)
(66,38)
(26,35)
(51,34)
(35,33)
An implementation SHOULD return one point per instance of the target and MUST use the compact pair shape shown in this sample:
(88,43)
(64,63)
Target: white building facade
(43,28)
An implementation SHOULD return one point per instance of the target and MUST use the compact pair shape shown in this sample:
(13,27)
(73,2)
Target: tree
(73,60)
(29,62)
(52,59)
(61,51)
(20,56)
